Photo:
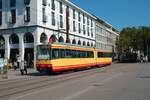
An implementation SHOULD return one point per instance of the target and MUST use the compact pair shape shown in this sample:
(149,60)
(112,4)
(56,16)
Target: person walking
(15,65)
(21,68)
(25,67)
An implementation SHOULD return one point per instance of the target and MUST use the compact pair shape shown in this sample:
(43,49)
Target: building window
(91,23)
(13,16)
(12,3)
(0,17)
(44,2)
(60,7)
(88,31)
(0,4)
(74,26)
(53,18)
(44,15)
(83,19)
(61,21)
(67,10)
(79,17)
(84,32)
(87,21)
(26,2)
(74,16)
(53,4)
(91,32)
(27,15)
(79,27)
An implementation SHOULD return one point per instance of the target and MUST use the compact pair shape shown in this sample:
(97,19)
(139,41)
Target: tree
(134,39)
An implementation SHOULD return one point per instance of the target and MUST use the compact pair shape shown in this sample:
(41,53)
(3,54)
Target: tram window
(81,54)
(91,55)
(100,54)
(74,54)
(62,53)
(68,54)
(108,54)
(84,54)
(104,54)
(55,53)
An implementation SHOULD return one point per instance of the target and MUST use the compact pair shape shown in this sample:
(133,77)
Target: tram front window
(43,52)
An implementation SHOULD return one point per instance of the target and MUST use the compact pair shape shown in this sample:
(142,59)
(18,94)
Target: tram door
(29,56)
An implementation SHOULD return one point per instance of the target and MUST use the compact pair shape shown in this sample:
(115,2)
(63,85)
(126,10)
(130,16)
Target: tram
(61,57)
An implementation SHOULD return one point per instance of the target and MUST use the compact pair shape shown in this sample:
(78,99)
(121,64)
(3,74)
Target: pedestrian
(22,67)
(25,67)
(15,65)
(141,58)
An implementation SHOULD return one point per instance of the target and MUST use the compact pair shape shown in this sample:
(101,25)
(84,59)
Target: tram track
(39,83)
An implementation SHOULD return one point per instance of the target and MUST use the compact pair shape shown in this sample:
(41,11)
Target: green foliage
(133,38)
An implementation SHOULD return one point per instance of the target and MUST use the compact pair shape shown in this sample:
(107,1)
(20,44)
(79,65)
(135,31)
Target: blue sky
(119,13)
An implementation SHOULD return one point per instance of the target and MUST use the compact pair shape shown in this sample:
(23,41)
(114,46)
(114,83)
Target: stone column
(35,55)
(36,40)
(21,50)
(7,47)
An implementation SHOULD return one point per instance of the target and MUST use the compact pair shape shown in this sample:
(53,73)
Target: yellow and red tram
(60,57)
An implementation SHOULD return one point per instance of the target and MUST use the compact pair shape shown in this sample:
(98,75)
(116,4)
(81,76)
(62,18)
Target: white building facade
(106,35)
(26,23)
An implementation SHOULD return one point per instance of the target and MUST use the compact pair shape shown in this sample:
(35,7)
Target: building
(27,23)
(106,35)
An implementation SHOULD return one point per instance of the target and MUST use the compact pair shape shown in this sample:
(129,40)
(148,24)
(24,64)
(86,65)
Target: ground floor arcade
(19,44)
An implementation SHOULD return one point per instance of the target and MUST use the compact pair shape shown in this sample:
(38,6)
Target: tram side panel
(103,58)
(68,64)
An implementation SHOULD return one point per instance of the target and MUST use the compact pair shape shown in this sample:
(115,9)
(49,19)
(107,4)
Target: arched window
(61,39)
(43,38)
(88,44)
(52,38)
(28,38)
(67,40)
(83,43)
(14,39)
(79,42)
(92,44)
(73,41)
